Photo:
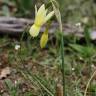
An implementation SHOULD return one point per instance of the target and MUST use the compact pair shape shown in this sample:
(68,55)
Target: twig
(89,82)
(13,25)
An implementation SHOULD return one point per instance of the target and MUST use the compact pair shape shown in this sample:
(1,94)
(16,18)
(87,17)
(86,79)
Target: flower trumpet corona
(41,17)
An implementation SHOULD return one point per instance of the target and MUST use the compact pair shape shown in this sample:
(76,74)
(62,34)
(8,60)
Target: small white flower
(15,82)
(17,47)
(92,66)
(73,69)
(78,24)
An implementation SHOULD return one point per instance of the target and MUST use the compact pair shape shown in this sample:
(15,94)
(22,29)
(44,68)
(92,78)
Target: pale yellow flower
(41,17)
(44,39)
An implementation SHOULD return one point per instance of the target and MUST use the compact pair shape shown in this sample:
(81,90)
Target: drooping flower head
(41,17)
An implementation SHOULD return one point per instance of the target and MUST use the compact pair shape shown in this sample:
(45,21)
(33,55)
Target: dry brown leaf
(5,72)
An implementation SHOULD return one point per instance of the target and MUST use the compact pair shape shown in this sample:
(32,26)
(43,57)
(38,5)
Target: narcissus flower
(41,17)
(44,39)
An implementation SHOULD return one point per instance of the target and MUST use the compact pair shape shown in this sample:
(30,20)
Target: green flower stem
(90,73)
(88,42)
(63,65)
(87,35)
(58,17)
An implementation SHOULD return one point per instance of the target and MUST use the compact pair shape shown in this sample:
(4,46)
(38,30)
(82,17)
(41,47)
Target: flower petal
(49,16)
(41,14)
(35,10)
(44,39)
(34,30)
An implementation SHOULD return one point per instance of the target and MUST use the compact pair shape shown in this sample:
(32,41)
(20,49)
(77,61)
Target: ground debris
(5,72)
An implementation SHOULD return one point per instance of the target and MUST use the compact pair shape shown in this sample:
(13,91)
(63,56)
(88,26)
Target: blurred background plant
(72,10)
